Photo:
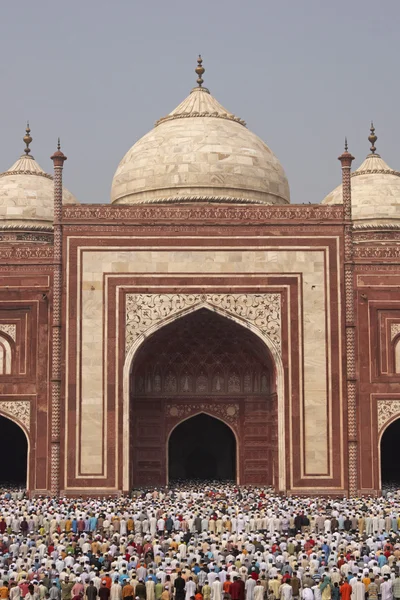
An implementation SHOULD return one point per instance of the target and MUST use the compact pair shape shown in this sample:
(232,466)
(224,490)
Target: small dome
(27,194)
(375,191)
(200,152)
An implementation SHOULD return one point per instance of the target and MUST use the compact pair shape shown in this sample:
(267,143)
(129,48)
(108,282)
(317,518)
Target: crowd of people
(209,541)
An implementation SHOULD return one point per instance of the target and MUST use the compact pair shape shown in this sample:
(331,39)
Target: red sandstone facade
(27,300)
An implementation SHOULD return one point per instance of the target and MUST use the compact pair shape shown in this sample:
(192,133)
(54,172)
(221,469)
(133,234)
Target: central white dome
(200,152)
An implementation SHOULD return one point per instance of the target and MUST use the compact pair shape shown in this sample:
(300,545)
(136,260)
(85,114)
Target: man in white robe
(386,589)
(285,592)
(216,590)
(150,590)
(249,588)
(358,592)
(258,591)
(190,588)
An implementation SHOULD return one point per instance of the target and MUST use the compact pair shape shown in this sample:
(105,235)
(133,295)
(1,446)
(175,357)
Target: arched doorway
(202,447)
(14,448)
(203,362)
(390,467)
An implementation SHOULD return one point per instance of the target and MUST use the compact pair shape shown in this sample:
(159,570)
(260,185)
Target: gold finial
(27,139)
(200,71)
(372,138)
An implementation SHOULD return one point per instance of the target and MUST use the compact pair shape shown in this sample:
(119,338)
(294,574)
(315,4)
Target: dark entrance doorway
(202,447)
(13,446)
(390,467)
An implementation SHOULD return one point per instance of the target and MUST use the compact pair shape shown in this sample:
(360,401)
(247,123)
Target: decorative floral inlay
(394,330)
(10,329)
(145,310)
(386,409)
(19,409)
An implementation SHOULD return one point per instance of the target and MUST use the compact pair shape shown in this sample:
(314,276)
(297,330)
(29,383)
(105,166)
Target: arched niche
(7,352)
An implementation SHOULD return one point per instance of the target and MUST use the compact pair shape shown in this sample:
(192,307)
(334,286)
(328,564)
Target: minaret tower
(346,159)
(58,159)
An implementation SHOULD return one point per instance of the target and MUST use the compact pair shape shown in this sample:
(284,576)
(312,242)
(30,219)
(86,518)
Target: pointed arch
(271,348)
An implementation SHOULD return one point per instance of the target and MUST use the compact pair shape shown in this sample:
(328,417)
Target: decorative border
(24,228)
(371,226)
(25,252)
(194,198)
(374,172)
(377,251)
(26,172)
(306,212)
(28,236)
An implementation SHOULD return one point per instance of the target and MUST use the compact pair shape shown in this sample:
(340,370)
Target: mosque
(200,325)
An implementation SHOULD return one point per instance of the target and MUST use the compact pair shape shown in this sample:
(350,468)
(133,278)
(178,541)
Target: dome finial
(372,138)
(346,147)
(200,71)
(27,139)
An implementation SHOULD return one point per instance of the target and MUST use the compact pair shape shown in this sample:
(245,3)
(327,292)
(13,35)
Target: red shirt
(108,581)
(24,588)
(345,591)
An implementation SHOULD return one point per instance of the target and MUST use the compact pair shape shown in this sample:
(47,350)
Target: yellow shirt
(366,581)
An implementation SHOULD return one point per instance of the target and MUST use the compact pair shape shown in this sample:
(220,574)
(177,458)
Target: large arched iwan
(203,363)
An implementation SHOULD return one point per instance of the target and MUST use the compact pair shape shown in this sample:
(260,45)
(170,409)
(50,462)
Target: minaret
(346,159)
(58,159)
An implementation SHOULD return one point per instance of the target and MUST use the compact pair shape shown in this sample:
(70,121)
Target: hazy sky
(99,73)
